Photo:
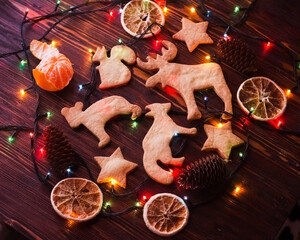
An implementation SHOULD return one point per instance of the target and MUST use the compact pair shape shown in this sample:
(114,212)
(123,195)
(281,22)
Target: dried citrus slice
(76,199)
(263,97)
(137,15)
(41,50)
(165,214)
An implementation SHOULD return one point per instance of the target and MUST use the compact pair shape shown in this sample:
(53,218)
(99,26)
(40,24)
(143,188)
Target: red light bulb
(279,123)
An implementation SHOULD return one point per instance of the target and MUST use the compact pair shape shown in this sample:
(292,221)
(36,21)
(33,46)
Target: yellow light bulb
(193,9)
(53,43)
(165,9)
(220,125)
(22,92)
(288,92)
(238,190)
(207,57)
(113,181)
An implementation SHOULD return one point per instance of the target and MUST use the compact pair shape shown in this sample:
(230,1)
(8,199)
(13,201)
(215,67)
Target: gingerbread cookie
(114,168)
(156,142)
(113,72)
(95,117)
(221,139)
(193,34)
(185,79)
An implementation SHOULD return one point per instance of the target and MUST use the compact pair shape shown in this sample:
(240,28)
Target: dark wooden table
(269,178)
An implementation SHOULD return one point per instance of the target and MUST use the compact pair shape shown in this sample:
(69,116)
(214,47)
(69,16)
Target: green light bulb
(134,124)
(236,9)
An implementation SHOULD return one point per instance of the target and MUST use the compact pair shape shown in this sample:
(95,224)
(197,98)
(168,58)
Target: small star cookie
(115,168)
(221,139)
(193,34)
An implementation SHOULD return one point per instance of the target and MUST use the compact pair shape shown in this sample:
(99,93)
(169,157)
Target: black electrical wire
(112,214)
(201,10)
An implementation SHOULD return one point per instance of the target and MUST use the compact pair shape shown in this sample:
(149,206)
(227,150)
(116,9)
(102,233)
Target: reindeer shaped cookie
(185,79)
(95,116)
(156,142)
(113,72)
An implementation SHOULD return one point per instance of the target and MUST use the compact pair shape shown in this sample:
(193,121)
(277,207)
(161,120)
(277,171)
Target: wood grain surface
(269,177)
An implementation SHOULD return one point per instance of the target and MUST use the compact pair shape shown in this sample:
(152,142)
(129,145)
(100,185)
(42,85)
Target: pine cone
(237,54)
(58,149)
(202,173)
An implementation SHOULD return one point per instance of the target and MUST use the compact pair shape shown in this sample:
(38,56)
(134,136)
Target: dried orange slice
(137,15)
(263,97)
(41,50)
(76,199)
(165,214)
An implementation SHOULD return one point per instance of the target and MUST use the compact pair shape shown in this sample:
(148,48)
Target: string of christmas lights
(209,15)
(216,58)
(95,84)
(33,135)
(92,86)
(70,12)
(205,119)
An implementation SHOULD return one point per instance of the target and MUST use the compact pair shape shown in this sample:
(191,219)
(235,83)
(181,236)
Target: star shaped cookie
(193,34)
(115,168)
(221,139)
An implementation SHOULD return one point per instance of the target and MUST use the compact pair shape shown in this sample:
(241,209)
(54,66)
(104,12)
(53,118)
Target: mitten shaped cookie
(113,72)
(156,142)
(95,116)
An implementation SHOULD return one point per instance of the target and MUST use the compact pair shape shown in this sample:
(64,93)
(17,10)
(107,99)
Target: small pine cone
(202,173)
(237,54)
(58,149)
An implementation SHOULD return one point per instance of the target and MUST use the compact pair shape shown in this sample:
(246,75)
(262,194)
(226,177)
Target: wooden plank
(269,177)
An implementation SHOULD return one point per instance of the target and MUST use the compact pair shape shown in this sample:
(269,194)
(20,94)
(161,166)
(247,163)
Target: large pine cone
(58,149)
(237,54)
(202,173)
